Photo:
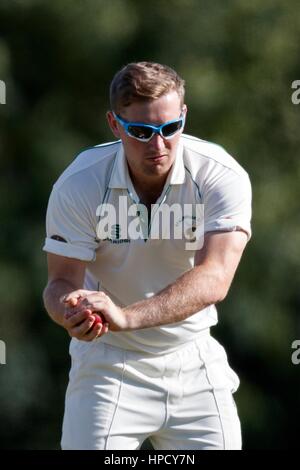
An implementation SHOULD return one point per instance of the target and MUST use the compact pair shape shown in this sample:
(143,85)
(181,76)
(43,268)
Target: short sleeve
(227,202)
(69,227)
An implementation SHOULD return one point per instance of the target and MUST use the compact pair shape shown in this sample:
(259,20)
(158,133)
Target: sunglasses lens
(140,132)
(170,129)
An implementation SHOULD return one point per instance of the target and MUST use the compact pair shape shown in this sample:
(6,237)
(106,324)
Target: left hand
(96,301)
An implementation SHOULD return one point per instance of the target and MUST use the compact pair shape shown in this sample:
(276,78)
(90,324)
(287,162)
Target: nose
(157,142)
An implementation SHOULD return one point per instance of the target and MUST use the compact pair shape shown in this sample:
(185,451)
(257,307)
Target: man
(139,308)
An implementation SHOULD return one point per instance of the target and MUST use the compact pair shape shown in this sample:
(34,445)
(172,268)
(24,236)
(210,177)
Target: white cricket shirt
(127,269)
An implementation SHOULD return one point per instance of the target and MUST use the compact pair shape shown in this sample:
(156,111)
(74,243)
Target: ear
(184,109)
(112,122)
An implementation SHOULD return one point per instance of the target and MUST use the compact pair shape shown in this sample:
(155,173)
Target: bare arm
(205,284)
(64,276)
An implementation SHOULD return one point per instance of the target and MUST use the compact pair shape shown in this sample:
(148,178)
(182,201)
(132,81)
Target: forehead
(163,109)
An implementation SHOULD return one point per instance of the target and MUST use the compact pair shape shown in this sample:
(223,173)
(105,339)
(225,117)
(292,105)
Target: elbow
(220,289)
(45,296)
(220,295)
(49,293)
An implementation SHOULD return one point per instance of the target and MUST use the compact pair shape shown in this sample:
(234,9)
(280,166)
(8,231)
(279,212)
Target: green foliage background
(239,59)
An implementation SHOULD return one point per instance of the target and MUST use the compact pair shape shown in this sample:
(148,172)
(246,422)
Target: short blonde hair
(143,81)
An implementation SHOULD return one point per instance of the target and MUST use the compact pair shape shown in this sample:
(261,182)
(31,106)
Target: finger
(62,298)
(99,306)
(73,301)
(94,333)
(93,297)
(86,301)
(80,331)
(76,294)
(73,311)
(68,297)
(76,319)
(105,329)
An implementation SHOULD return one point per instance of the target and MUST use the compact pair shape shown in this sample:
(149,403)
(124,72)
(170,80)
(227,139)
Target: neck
(148,188)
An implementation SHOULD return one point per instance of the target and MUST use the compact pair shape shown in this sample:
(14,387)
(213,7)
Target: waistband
(137,354)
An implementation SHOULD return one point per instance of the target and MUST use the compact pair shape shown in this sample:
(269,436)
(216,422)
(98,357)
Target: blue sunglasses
(145,132)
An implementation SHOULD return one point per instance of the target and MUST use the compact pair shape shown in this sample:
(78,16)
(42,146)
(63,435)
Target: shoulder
(203,159)
(90,168)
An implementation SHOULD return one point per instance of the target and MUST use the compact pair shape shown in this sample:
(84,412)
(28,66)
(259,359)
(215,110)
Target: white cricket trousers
(181,400)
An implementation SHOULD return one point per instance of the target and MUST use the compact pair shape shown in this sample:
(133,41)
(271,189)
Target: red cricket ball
(98,319)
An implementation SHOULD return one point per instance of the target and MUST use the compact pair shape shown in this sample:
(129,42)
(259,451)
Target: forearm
(205,284)
(190,293)
(52,295)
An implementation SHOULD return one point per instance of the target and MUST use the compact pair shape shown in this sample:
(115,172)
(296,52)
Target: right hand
(83,325)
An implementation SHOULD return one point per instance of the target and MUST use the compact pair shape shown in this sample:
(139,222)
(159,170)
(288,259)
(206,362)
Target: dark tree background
(239,59)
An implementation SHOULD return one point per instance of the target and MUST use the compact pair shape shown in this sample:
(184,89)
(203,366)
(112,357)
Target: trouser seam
(164,425)
(214,392)
(117,404)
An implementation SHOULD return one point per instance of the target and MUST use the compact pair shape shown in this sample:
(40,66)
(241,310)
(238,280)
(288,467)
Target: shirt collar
(177,174)
(120,175)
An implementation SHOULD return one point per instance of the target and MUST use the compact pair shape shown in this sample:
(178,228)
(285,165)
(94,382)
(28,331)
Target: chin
(158,170)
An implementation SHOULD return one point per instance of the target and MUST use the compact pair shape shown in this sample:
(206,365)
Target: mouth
(157,158)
